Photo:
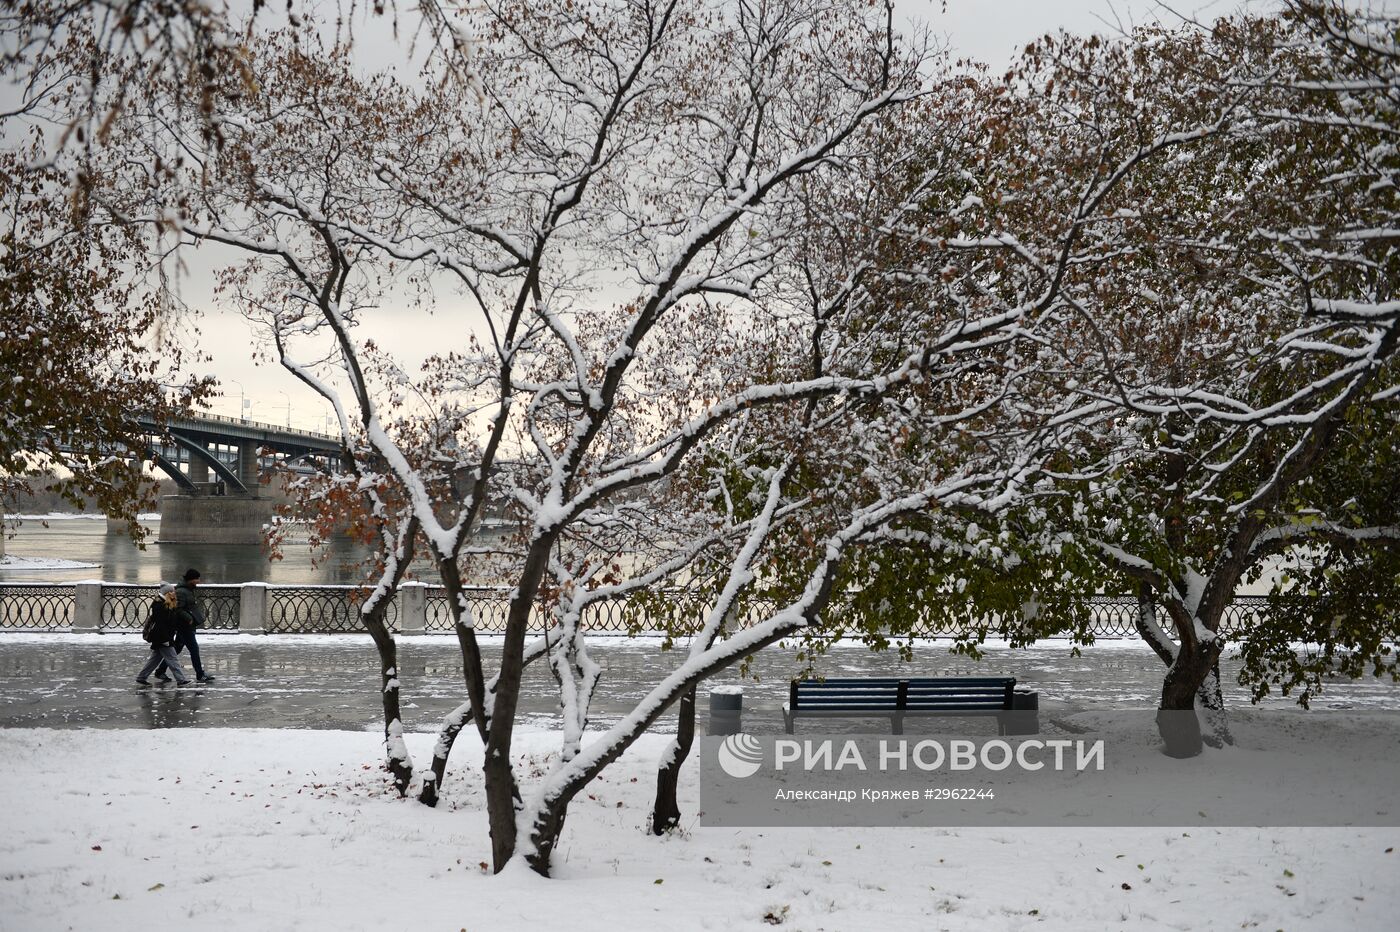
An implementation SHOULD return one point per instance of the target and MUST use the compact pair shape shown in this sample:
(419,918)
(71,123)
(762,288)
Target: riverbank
(18,564)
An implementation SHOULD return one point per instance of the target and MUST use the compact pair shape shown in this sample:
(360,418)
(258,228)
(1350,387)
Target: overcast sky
(986,30)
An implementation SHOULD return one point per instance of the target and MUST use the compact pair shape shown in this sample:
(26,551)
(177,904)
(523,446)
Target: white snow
(13,562)
(244,829)
(66,516)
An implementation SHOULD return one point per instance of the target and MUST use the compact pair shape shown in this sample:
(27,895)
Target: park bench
(1016,710)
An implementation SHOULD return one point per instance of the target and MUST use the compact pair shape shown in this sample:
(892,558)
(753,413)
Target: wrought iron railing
(125,607)
(37,607)
(222,606)
(1109,617)
(336,609)
(320,610)
(488,608)
(1105,617)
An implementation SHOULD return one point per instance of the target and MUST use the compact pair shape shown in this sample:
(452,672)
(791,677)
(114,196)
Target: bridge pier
(121,525)
(248,466)
(117,525)
(213,519)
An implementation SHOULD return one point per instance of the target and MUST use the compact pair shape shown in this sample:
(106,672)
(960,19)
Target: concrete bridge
(217,463)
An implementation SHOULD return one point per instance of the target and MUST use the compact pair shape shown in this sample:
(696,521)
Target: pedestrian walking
(160,630)
(191,612)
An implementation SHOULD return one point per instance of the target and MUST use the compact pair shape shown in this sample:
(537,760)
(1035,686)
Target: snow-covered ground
(12,562)
(242,829)
(70,516)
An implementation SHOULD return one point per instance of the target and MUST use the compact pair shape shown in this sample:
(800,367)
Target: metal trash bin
(1024,717)
(726,710)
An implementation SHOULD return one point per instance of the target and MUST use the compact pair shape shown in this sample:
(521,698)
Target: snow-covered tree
(609,210)
(1235,340)
(1260,353)
(710,321)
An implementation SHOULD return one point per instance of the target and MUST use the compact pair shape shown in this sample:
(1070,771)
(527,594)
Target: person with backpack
(191,612)
(159,631)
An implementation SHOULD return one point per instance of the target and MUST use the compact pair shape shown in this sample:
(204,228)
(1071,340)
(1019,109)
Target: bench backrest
(954,693)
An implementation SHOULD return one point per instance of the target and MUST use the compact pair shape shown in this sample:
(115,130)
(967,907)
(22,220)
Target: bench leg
(897,724)
(787,721)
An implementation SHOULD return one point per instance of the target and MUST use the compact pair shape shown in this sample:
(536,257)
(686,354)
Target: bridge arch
(172,470)
(197,449)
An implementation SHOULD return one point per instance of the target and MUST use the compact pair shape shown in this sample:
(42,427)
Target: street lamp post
(242,402)
(288,399)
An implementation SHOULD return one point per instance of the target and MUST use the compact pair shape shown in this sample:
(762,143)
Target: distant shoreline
(80,516)
(16,562)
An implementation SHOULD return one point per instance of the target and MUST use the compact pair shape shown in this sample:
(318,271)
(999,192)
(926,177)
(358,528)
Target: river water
(112,557)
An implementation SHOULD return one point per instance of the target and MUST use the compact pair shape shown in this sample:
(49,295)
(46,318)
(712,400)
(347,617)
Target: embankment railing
(418,608)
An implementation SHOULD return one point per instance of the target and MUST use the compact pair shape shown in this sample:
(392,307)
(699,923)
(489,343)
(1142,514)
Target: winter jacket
(189,606)
(164,622)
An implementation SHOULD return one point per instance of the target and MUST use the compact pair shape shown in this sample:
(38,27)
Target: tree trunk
(473,674)
(1183,679)
(1149,628)
(396,752)
(456,720)
(666,812)
(502,791)
(544,836)
(548,820)
(502,805)
(1211,700)
(1177,721)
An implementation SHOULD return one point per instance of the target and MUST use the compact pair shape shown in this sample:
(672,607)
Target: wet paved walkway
(332,681)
